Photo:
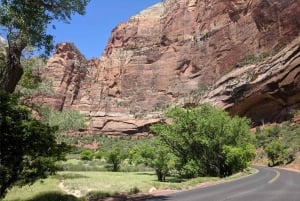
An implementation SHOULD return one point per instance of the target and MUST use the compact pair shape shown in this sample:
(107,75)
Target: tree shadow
(53,196)
(175,180)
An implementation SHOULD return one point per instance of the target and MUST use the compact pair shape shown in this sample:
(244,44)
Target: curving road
(267,185)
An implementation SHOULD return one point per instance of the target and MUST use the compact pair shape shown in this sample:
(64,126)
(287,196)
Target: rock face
(266,92)
(169,50)
(66,70)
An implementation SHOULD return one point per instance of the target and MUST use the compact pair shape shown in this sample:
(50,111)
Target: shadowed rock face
(163,53)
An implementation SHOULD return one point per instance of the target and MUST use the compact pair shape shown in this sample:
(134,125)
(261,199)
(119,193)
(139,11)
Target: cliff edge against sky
(177,47)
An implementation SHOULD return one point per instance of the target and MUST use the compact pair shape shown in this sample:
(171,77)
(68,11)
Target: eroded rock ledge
(266,92)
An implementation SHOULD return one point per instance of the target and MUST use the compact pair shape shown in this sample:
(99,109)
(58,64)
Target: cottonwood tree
(156,155)
(26,24)
(115,156)
(28,148)
(206,141)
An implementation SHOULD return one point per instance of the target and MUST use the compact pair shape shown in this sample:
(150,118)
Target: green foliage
(66,120)
(83,165)
(28,20)
(25,23)
(29,150)
(54,196)
(267,135)
(206,141)
(280,142)
(3,53)
(276,152)
(99,154)
(155,155)
(115,156)
(97,195)
(87,155)
(31,82)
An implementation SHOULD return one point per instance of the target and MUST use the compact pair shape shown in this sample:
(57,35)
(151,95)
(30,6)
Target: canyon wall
(164,54)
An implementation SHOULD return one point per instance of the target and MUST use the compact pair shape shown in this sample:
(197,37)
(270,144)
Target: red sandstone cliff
(162,54)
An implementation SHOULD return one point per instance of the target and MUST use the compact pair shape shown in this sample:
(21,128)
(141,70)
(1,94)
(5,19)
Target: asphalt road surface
(269,184)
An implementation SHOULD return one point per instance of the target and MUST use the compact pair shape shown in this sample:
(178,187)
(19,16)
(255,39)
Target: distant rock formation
(164,53)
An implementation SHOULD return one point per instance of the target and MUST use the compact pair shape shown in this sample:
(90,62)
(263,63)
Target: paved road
(267,185)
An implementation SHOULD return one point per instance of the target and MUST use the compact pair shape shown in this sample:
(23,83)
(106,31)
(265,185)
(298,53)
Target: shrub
(87,155)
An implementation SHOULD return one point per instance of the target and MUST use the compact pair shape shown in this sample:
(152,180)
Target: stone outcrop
(166,52)
(65,71)
(265,92)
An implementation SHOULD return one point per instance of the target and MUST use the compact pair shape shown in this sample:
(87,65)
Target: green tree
(28,148)
(26,25)
(155,155)
(206,141)
(115,157)
(276,152)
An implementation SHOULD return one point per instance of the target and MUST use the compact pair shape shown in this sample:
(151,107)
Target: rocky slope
(166,52)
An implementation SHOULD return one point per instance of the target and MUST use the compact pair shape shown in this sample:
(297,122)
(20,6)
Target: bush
(280,142)
(99,155)
(87,155)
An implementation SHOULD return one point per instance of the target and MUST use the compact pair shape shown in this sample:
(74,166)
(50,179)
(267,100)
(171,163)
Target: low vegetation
(280,143)
(254,59)
(88,186)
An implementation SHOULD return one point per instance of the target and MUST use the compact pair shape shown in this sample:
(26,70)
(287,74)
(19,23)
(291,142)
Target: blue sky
(91,32)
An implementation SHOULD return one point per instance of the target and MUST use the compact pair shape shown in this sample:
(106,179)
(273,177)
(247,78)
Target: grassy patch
(109,182)
(48,186)
(102,184)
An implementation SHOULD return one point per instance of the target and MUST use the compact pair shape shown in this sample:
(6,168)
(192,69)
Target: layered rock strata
(265,92)
(161,55)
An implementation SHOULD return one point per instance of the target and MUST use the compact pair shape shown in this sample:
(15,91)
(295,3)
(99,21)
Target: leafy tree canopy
(25,23)
(28,148)
(156,155)
(28,20)
(206,141)
(115,156)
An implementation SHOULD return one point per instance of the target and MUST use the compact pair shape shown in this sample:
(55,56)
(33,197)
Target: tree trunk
(160,175)
(13,69)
